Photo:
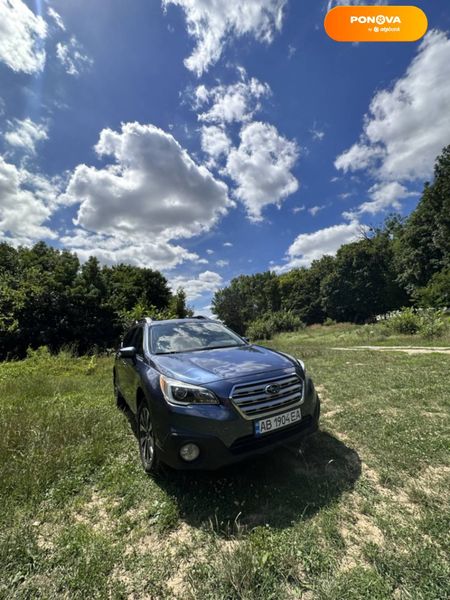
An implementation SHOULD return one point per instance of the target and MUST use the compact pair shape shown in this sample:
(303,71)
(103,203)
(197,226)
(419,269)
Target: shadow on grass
(277,489)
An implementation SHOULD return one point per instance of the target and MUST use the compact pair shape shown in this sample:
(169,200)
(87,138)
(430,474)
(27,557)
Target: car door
(123,371)
(136,367)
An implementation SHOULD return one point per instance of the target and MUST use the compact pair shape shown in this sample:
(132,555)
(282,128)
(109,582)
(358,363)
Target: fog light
(189,452)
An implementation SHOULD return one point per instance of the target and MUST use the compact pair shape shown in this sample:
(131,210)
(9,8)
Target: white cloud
(222,263)
(215,141)
(359,156)
(209,251)
(117,248)
(212,23)
(207,282)
(385,195)
(407,126)
(23,207)
(332,3)
(72,57)
(206,311)
(261,168)
(25,134)
(317,134)
(231,103)
(152,193)
(227,244)
(56,17)
(315,209)
(312,246)
(22,35)
(298,209)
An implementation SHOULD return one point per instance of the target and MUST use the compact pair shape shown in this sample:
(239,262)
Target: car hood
(205,366)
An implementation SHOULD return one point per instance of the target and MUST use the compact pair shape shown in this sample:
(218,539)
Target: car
(204,397)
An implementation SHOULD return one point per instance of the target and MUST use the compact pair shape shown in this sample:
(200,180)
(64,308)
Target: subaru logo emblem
(272,389)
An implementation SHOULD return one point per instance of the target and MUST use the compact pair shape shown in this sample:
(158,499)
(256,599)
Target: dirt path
(407,349)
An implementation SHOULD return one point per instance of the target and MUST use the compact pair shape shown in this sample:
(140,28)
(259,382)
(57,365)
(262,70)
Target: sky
(211,139)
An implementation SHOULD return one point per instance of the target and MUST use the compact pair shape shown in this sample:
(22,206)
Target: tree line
(406,262)
(47,298)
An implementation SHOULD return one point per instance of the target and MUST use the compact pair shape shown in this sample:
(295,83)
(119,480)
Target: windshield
(169,338)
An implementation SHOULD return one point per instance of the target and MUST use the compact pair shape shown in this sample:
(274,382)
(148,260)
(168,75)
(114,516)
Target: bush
(270,323)
(261,329)
(432,322)
(428,322)
(405,321)
(328,322)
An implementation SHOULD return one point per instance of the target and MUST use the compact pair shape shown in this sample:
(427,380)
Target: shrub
(270,323)
(428,322)
(261,329)
(432,322)
(405,321)
(329,321)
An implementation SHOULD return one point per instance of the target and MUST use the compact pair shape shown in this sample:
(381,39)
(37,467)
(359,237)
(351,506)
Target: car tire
(146,439)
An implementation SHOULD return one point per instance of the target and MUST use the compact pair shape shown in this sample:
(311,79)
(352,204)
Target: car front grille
(262,398)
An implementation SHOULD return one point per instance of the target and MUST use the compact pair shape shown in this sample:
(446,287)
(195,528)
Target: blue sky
(210,141)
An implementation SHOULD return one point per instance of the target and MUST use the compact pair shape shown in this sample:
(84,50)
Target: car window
(138,341)
(128,339)
(186,337)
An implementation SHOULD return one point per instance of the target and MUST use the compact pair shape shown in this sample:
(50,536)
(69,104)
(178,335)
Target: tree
(300,290)
(363,282)
(47,299)
(92,316)
(424,246)
(437,292)
(130,285)
(177,305)
(246,298)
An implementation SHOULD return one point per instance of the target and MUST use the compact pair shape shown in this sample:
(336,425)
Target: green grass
(359,512)
(347,334)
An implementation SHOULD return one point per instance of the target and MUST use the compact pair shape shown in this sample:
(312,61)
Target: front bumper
(215,453)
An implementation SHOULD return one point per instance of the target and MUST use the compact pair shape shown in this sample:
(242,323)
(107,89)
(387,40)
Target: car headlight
(179,392)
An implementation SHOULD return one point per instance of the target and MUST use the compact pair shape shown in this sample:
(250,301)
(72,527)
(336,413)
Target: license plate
(277,422)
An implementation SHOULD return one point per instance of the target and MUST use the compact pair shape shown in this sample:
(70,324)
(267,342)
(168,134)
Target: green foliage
(363,281)
(329,322)
(271,323)
(246,299)
(405,322)
(300,290)
(48,299)
(432,323)
(424,243)
(177,305)
(427,322)
(437,292)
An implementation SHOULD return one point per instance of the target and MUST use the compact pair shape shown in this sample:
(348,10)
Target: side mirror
(128,352)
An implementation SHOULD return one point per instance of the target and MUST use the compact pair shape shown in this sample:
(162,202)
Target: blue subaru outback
(205,397)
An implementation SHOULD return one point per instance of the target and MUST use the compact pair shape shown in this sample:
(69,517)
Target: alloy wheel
(146,439)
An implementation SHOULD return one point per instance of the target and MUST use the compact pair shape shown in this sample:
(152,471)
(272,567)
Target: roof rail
(147,320)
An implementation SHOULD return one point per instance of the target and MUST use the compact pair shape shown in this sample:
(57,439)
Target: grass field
(361,511)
